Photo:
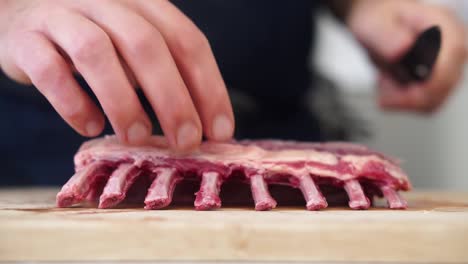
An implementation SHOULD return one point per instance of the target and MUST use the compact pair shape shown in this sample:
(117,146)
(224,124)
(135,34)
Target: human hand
(388,28)
(109,43)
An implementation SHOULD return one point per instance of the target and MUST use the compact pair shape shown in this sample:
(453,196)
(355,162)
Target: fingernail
(222,128)
(93,128)
(137,133)
(187,135)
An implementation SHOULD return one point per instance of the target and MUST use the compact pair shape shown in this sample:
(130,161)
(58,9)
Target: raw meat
(107,170)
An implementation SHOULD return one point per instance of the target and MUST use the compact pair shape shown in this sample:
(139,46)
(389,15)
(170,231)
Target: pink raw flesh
(119,173)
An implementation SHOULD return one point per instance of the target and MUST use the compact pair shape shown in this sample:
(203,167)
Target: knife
(417,64)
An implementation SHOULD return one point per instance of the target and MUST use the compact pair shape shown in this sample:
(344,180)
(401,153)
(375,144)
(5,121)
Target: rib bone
(394,200)
(357,198)
(161,190)
(261,195)
(312,195)
(208,195)
(81,184)
(118,184)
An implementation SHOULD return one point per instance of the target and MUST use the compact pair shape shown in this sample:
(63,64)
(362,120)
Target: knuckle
(449,12)
(143,41)
(88,49)
(184,110)
(191,42)
(75,111)
(47,72)
(197,75)
(123,110)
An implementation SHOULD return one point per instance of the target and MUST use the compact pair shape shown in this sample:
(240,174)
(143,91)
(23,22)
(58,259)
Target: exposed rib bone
(357,198)
(261,195)
(394,200)
(118,184)
(208,195)
(81,183)
(312,195)
(161,190)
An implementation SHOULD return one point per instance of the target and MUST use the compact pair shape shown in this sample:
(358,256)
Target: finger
(49,72)
(7,64)
(128,72)
(422,97)
(93,55)
(395,96)
(196,62)
(386,38)
(445,76)
(148,56)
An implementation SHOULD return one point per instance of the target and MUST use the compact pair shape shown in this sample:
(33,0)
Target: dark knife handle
(417,64)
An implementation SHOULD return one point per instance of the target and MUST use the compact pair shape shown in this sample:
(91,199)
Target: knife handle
(417,64)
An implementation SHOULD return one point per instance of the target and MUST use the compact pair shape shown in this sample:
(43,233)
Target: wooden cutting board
(433,229)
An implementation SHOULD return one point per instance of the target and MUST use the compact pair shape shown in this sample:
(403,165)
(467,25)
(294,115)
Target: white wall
(434,148)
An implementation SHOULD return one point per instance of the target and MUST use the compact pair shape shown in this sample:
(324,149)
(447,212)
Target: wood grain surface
(433,229)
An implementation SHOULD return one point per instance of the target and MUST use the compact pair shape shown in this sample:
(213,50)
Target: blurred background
(434,149)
